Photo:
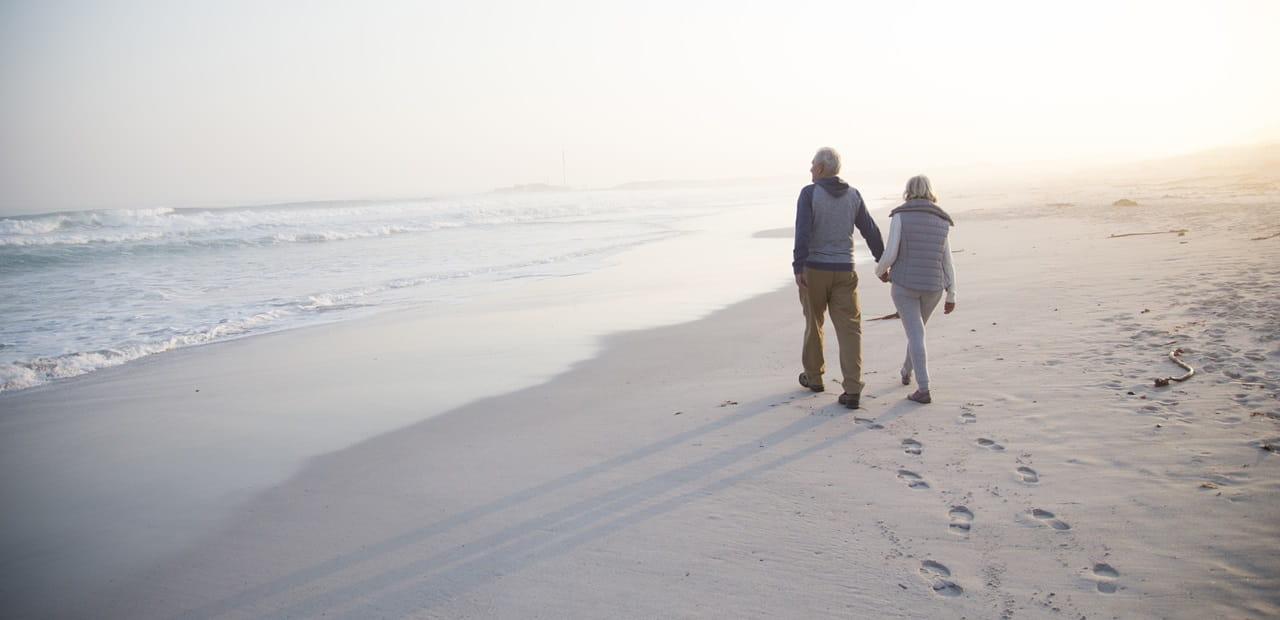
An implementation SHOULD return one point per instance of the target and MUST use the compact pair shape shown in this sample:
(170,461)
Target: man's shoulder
(849,194)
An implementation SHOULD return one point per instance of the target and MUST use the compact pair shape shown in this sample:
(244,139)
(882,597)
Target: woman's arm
(890,249)
(948,271)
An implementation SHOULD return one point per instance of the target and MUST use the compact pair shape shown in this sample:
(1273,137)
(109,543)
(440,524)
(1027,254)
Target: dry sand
(682,473)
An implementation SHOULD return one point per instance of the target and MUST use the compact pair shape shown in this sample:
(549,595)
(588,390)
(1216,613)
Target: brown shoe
(920,396)
(850,401)
(804,382)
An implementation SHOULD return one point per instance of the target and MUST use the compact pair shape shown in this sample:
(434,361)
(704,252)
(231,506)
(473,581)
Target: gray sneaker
(920,396)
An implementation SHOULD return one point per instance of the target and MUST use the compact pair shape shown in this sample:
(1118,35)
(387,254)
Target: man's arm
(804,228)
(870,232)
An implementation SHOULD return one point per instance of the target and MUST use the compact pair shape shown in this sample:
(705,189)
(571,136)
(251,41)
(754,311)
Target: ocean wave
(334,235)
(25,374)
(134,286)
(35,224)
(19,226)
(281,314)
(42,370)
(76,239)
(279,224)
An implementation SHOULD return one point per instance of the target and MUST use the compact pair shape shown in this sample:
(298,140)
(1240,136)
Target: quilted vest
(831,240)
(920,246)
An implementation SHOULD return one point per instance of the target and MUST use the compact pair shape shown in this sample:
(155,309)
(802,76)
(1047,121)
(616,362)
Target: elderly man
(826,214)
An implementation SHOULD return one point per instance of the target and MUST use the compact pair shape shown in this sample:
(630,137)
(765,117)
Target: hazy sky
(114,103)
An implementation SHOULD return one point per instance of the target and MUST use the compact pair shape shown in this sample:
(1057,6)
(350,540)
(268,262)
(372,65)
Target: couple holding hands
(916,260)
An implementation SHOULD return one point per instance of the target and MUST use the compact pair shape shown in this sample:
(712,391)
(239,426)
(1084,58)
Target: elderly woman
(917,260)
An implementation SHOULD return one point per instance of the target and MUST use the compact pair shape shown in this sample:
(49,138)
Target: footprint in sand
(936,574)
(911,446)
(871,424)
(1049,519)
(1106,578)
(968,418)
(912,479)
(961,520)
(1028,475)
(990,445)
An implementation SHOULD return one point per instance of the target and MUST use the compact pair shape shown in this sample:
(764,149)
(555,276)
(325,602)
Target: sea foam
(94,289)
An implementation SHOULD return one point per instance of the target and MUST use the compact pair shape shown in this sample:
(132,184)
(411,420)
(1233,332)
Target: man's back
(831,238)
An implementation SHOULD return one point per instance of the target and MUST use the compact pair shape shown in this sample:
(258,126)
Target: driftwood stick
(1173,355)
(1180,232)
(887,316)
(1275,234)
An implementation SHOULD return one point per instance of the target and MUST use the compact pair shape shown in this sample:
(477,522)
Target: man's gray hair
(829,159)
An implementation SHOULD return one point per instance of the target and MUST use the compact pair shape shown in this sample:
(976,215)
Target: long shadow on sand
(446,574)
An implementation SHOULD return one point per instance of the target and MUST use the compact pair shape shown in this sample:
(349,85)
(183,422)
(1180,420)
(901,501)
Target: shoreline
(114,470)
(338,269)
(683,460)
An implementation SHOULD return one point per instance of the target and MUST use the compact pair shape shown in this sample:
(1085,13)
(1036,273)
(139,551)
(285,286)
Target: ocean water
(82,291)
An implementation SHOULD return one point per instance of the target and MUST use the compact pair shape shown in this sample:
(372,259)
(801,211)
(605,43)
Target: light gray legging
(915,307)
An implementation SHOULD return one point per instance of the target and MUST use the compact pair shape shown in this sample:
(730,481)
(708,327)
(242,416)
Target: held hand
(884,277)
(948,307)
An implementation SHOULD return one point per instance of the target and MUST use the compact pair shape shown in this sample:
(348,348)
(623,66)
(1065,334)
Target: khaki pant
(836,292)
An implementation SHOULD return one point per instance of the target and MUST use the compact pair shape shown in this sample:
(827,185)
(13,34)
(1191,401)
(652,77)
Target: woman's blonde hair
(919,187)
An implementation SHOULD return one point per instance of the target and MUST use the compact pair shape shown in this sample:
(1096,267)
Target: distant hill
(1258,159)
(699,183)
(531,187)
(1254,162)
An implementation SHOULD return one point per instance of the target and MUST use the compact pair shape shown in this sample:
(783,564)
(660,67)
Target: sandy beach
(680,472)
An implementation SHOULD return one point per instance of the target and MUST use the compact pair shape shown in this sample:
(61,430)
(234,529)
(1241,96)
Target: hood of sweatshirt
(834,185)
